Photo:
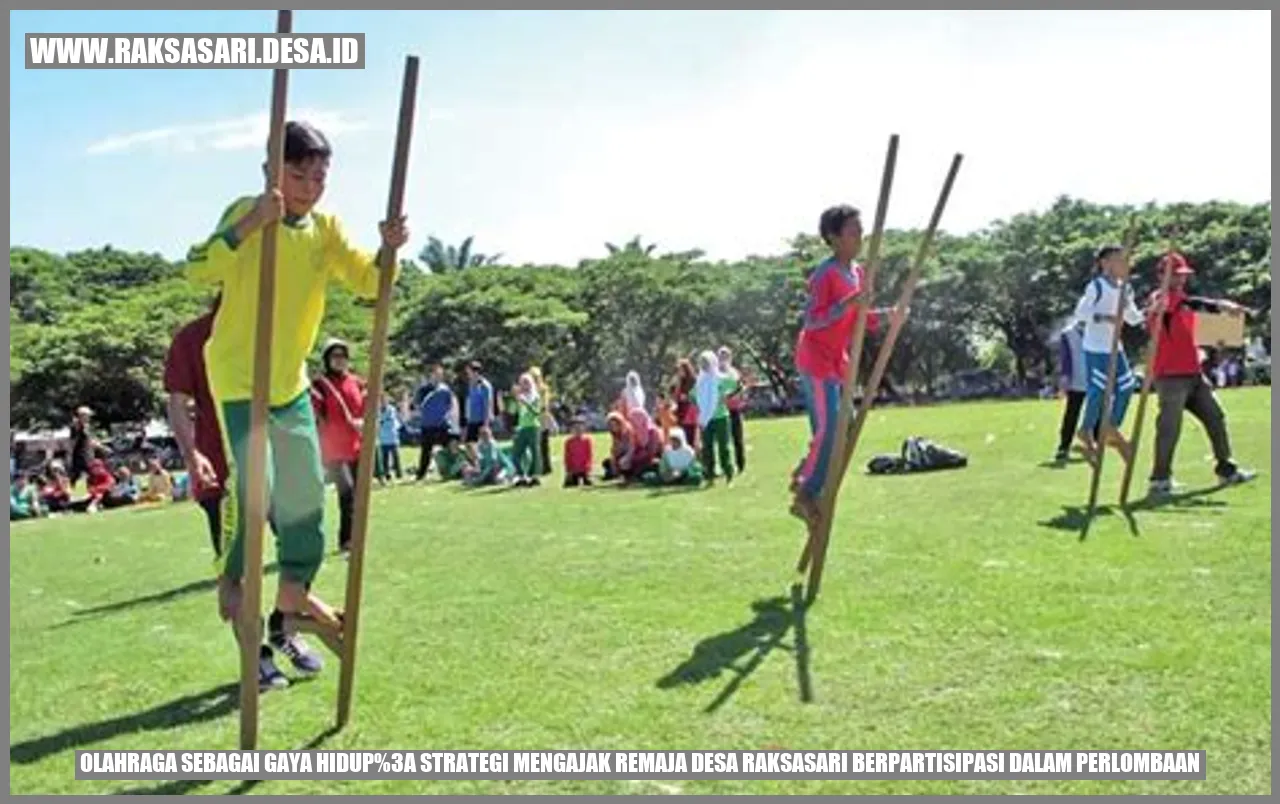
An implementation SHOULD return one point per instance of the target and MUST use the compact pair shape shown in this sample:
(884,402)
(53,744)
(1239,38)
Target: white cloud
(233,134)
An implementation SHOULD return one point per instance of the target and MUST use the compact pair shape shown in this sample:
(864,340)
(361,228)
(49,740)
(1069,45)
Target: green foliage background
(92,327)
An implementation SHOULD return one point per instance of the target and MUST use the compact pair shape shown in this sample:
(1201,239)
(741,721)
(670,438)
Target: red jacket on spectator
(339,402)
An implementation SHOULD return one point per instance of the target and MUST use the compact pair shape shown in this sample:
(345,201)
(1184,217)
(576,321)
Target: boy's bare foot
(1120,443)
(1088,449)
(804,508)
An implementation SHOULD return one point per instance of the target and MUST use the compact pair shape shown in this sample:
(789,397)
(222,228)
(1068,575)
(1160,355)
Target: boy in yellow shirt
(311,251)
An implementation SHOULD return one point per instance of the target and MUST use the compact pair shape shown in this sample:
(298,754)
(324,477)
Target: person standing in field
(682,392)
(713,416)
(527,442)
(437,416)
(736,401)
(340,398)
(312,252)
(1073,381)
(84,448)
(1097,309)
(1179,383)
(479,405)
(549,424)
(836,297)
(389,440)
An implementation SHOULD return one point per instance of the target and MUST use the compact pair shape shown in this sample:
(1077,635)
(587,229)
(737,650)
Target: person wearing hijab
(527,446)
(549,424)
(621,446)
(339,397)
(632,394)
(679,465)
(713,416)
(648,443)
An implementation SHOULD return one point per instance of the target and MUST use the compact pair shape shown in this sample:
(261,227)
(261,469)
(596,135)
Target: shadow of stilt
(155,599)
(1075,518)
(752,642)
(245,787)
(196,708)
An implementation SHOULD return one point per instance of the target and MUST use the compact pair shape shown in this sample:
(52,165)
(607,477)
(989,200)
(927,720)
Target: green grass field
(959,610)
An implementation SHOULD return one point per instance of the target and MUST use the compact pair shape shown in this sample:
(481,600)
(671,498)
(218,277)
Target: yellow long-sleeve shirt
(310,252)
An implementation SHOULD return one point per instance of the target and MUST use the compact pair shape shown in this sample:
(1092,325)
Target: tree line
(92,327)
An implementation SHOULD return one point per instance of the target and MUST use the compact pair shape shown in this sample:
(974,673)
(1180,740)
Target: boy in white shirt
(1097,309)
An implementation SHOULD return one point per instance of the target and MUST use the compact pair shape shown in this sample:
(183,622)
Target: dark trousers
(1194,395)
(739,446)
(343,477)
(390,462)
(545,443)
(715,443)
(1070,419)
(431,437)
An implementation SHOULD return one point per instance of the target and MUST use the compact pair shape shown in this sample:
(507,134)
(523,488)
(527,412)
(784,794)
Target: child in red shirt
(339,397)
(577,455)
(822,350)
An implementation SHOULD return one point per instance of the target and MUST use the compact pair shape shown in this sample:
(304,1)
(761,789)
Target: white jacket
(1099,299)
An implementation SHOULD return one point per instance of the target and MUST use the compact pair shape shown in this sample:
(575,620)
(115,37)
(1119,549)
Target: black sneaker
(1060,456)
(1236,476)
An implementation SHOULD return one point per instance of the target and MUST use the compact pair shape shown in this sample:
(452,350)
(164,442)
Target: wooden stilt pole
(250,630)
(1148,378)
(377,364)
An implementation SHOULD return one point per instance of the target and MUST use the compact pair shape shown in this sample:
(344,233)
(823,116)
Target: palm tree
(632,246)
(441,259)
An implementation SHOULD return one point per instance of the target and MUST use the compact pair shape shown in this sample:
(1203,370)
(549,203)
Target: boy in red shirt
(577,455)
(822,350)
(339,397)
(195,427)
(1179,382)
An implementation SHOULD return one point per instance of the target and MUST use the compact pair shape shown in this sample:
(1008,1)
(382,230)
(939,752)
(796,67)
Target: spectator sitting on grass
(100,482)
(493,467)
(679,465)
(577,455)
(125,491)
(55,495)
(159,483)
(452,462)
(622,447)
(24,500)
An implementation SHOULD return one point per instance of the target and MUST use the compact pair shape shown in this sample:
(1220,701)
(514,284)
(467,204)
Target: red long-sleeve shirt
(338,419)
(577,455)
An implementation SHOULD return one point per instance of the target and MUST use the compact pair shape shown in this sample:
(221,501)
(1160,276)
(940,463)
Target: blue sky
(544,134)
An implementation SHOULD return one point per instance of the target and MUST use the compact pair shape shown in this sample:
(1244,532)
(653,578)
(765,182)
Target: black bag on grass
(918,455)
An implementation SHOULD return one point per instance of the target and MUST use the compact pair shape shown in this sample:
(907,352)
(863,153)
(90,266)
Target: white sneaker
(1161,488)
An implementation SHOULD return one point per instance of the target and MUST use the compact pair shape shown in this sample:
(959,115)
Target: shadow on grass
(187,710)
(1072,461)
(155,599)
(244,788)
(1075,518)
(742,650)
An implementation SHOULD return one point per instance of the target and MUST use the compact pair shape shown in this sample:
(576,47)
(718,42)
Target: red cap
(1176,263)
